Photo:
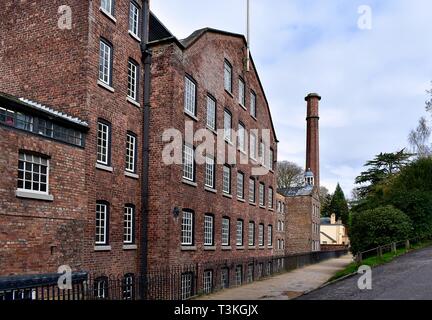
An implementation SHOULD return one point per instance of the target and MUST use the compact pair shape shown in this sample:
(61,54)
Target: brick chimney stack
(312,140)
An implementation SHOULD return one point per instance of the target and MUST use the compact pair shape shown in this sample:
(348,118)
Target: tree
(339,205)
(411,192)
(419,139)
(381,167)
(380,226)
(325,199)
(289,175)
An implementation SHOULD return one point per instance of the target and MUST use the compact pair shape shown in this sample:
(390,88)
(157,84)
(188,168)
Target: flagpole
(248,35)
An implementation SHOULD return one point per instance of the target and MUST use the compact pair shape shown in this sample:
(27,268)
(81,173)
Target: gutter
(146,59)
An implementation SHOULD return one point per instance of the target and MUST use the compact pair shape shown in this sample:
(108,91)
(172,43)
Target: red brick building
(239,225)
(82,71)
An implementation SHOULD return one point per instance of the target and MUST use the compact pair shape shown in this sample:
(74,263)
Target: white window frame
(261,194)
(210,169)
(242,92)
(261,235)
(128,226)
(211,113)
(208,230)
(133,74)
(226,180)
(241,137)
(131,142)
(105,62)
(190,96)
(240,185)
(253,146)
(228,76)
(253,98)
(102,215)
(208,281)
(251,234)
(187,228)
(108,6)
(186,285)
(134,18)
(239,233)
(103,143)
(188,163)
(252,192)
(228,126)
(30,161)
(270,198)
(225,231)
(270,235)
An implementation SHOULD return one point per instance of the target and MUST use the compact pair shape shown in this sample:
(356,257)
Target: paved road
(408,277)
(285,286)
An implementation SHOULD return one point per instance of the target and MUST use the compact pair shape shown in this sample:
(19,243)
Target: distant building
(333,232)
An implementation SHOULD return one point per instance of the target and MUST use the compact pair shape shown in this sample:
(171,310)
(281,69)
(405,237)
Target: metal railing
(171,283)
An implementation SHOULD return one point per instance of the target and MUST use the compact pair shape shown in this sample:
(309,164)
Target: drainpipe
(146,59)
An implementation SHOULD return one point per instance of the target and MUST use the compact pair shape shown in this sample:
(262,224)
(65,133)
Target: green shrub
(380,226)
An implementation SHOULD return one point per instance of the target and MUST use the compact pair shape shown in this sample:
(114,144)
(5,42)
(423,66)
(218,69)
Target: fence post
(379,252)
(359,257)
(407,245)
(394,248)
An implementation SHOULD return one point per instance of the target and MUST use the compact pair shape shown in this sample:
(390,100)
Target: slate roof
(297,191)
(157,30)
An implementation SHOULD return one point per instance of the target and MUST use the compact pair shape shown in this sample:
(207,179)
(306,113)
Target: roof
(158,34)
(48,111)
(297,191)
(327,222)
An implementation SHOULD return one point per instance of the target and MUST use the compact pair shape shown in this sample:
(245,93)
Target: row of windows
(103,223)
(40,126)
(106,67)
(266,158)
(104,147)
(188,231)
(241,273)
(189,174)
(101,287)
(228,85)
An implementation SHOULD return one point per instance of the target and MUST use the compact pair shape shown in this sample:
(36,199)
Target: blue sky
(373,82)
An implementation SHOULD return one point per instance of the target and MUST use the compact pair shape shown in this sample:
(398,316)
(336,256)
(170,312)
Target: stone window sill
(134,36)
(227,195)
(212,130)
(109,15)
(102,248)
(230,93)
(130,247)
(188,248)
(104,168)
(252,204)
(226,248)
(240,248)
(131,175)
(33,195)
(210,248)
(190,183)
(210,189)
(134,102)
(192,116)
(252,248)
(244,107)
(262,207)
(105,86)
(241,200)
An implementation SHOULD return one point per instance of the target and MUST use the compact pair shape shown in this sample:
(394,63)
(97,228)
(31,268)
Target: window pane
(187,228)
(103,143)
(133,19)
(227,126)
(188,163)
(240,185)
(130,153)
(208,230)
(211,113)
(227,180)
(242,92)
(242,137)
(32,173)
(209,172)
(105,63)
(227,77)
(132,80)
(190,99)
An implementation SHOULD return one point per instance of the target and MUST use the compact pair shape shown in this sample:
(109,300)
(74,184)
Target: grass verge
(376,261)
